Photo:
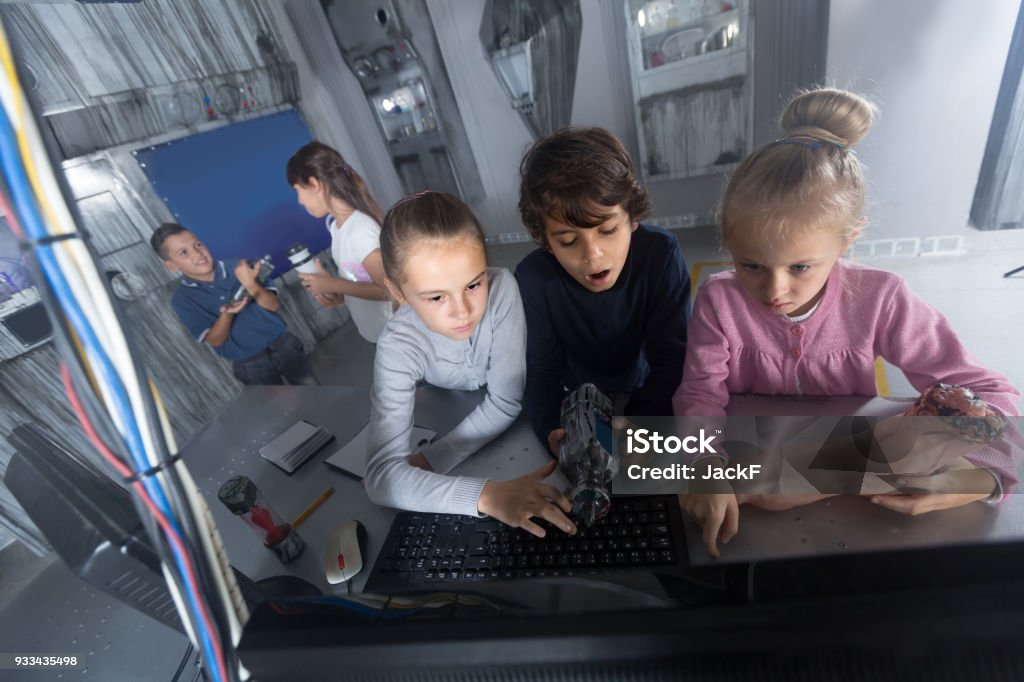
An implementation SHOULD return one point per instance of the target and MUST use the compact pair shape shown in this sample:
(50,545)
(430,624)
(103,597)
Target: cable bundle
(119,408)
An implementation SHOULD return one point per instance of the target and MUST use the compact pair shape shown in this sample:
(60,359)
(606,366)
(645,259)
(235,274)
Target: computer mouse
(344,558)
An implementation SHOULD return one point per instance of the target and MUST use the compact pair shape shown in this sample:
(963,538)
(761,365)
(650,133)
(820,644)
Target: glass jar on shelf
(673,30)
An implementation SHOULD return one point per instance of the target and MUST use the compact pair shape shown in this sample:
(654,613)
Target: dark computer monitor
(952,633)
(918,614)
(29,325)
(92,525)
(14,271)
(929,633)
(20,311)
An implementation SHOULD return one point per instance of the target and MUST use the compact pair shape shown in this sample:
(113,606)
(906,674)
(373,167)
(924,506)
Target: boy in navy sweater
(606,298)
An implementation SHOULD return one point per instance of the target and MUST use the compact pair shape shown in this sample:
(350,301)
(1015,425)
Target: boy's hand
(236,307)
(329,300)
(516,502)
(318,282)
(619,426)
(555,439)
(246,273)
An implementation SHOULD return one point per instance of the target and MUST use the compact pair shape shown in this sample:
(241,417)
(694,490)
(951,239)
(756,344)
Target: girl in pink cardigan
(793,318)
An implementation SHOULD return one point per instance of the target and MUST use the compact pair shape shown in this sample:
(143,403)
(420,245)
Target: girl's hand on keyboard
(516,502)
(714,506)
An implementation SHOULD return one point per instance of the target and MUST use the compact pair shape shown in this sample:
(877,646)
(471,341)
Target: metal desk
(847,523)
(58,613)
(230,443)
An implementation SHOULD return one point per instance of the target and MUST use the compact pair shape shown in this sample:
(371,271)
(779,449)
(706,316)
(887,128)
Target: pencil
(312,508)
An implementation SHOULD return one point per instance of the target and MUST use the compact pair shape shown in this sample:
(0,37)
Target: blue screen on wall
(14,274)
(228,186)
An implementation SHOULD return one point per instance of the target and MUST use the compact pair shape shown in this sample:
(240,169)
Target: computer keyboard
(434,550)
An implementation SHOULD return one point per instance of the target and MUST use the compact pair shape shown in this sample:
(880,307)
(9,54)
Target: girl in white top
(327,186)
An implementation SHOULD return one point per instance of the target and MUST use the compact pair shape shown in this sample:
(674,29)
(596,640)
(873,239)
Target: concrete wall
(603,96)
(332,100)
(497,134)
(934,67)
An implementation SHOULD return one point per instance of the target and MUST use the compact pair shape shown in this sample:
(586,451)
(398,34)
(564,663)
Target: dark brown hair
(317,160)
(808,179)
(575,176)
(424,216)
(160,235)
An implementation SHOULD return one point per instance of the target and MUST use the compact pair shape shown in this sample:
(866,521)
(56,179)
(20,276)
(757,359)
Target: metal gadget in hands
(266,267)
(585,453)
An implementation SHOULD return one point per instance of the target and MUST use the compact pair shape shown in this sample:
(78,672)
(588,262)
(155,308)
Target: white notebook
(296,445)
(350,458)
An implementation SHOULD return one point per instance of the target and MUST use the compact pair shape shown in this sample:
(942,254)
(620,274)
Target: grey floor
(984,307)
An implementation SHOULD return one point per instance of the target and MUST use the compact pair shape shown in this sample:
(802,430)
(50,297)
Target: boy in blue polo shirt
(606,298)
(249,332)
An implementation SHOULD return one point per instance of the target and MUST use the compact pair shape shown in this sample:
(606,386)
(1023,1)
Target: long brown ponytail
(317,160)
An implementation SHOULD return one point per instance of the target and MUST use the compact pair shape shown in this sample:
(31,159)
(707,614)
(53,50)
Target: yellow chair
(696,271)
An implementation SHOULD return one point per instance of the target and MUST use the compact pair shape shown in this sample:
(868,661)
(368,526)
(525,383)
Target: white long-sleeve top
(408,353)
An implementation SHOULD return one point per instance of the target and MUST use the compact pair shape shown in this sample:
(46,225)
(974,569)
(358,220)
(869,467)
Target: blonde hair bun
(842,116)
